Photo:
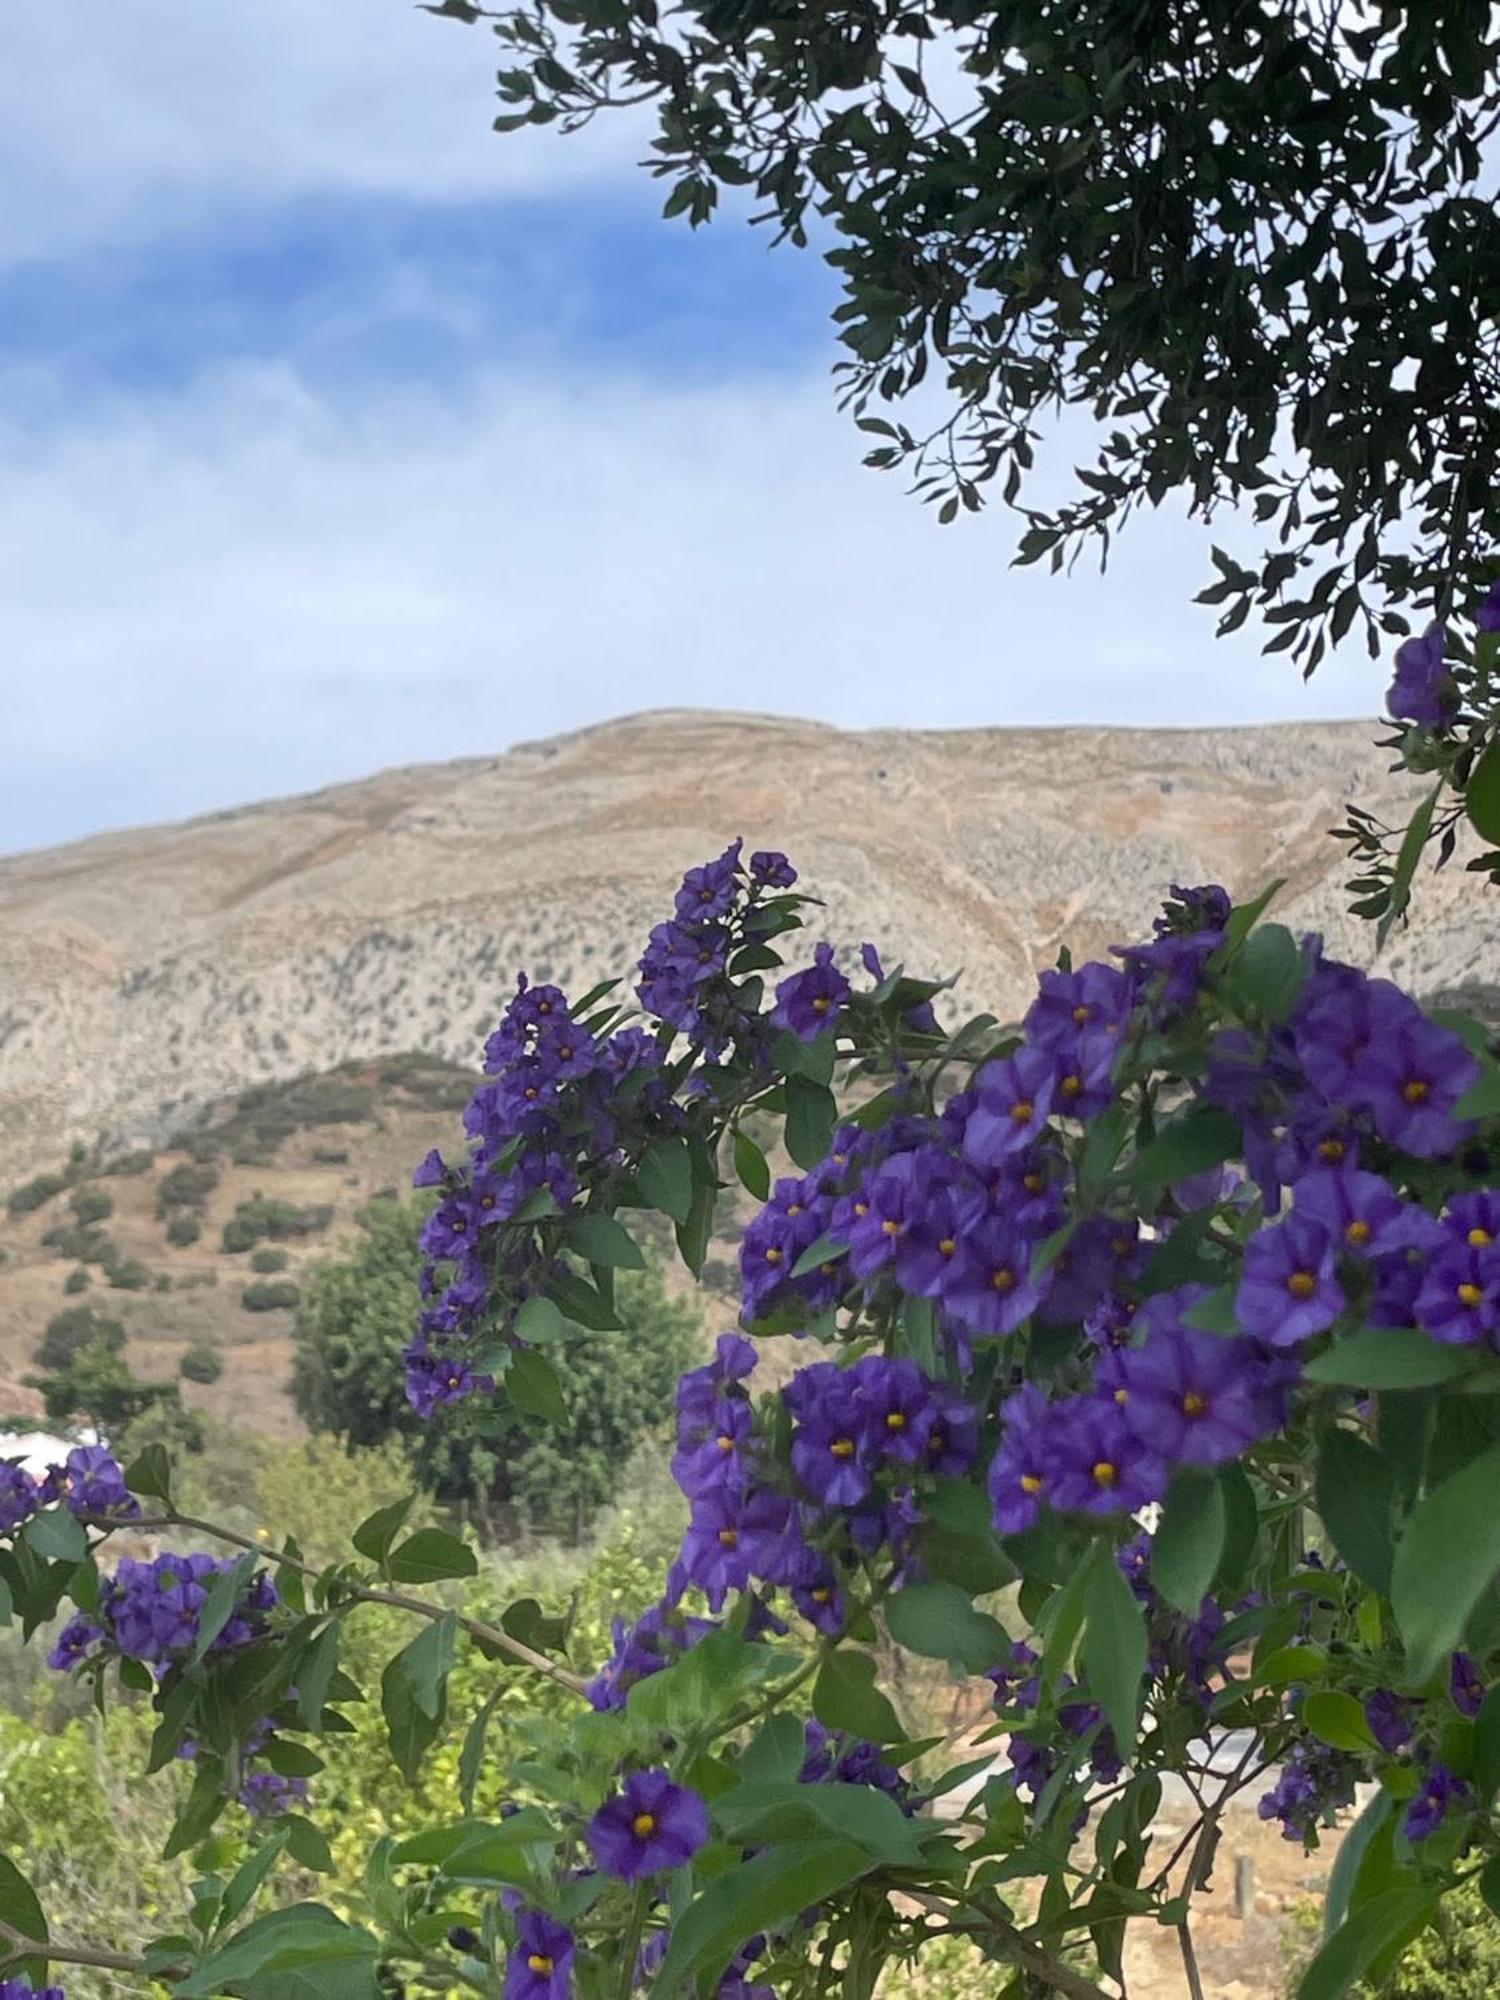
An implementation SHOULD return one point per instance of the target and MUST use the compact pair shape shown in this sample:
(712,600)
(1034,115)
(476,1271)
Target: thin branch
(19,1947)
(1190,1961)
(399,1600)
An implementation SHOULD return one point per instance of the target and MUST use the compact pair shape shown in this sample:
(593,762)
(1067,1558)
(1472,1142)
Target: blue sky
(337,432)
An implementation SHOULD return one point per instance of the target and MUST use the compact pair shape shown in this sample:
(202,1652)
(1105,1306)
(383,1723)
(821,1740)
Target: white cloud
(244,589)
(119,121)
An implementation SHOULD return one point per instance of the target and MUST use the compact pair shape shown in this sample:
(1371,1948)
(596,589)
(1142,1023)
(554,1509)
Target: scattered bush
(268,1260)
(262,1217)
(201,1362)
(31,1195)
(92,1204)
(270,1295)
(331,1156)
(183,1227)
(71,1331)
(188,1185)
(128,1274)
(129,1163)
(81,1242)
(78,1279)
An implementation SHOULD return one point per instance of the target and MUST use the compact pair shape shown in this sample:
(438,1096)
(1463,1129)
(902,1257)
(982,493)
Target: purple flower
(1459,1298)
(813,1000)
(96,1485)
(1018,1478)
(991,1289)
(731,1538)
(1466,1684)
(711,890)
(1411,1079)
(772,870)
(22,1989)
(1314,1782)
(1011,1101)
(1441,1789)
(541,1965)
(266,1794)
(1423,690)
(74,1643)
(1360,1211)
(1389,1719)
(19,1496)
(1093,1464)
(1487,617)
(1289,1290)
(649,1825)
(1192,1397)
(717,1459)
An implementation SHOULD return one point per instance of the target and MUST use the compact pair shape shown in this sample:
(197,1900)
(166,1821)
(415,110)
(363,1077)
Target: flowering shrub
(1175,1308)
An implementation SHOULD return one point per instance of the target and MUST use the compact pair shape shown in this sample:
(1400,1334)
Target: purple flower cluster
(22,1989)
(540,1966)
(1423,689)
(1458,1297)
(1177,1397)
(151,1611)
(685,980)
(1314,1783)
(831,1757)
(89,1480)
(266,1794)
(861,1435)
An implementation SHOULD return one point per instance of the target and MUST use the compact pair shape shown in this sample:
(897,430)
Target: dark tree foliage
(349,1378)
(1252,240)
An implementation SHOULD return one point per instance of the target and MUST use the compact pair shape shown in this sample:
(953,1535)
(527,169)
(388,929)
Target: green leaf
(778,1884)
(223,1595)
(1200,1138)
(1487,1747)
(1402,1358)
(1241,1524)
(1356,1496)
(582,1302)
(205,1801)
(307,1845)
(1337,1719)
(599,1239)
(532,1385)
(413,1693)
(1266,973)
(150,1475)
(436,1846)
(56,1536)
(1489,1885)
(1113,1655)
(752,1167)
(811,1114)
(939,1621)
(1188,1545)
(305,1934)
(1482,795)
(430,1555)
(471,1757)
(1375,1818)
(665,1178)
(374,1535)
(827,1250)
(777,1751)
(1381,1925)
(845,1697)
(1245,916)
(1448,1555)
(20,1908)
(758,1815)
(540,1321)
(1407,856)
(1482,1098)
(315,1672)
(247,1878)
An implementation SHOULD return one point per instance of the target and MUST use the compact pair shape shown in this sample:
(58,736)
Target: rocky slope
(145,973)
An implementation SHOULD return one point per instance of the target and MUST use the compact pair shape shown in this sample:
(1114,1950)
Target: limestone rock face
(145,973)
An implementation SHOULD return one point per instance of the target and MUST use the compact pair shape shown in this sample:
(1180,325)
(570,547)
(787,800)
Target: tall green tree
(348,1378)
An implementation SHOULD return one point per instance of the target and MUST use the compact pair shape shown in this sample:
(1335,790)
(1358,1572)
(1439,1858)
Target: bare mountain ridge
(145,973)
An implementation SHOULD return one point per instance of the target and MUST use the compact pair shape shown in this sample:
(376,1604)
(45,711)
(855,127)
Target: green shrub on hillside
(91,1204)
(188,1185)
(128,1274)
(262,1216)
(183,1228)
(81,1242)
(77,1280)
(201,1362)
(126,1164)
(69,1332)
(31,1194)
(265,1261)
(270,1295)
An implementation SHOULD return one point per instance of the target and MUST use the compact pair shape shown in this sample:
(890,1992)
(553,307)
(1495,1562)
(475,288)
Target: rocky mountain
(144,974)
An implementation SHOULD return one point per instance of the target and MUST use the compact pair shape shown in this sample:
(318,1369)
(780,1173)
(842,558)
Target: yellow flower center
(1470,1295)
(1302,1284)
(1415,1092)
(947,1245)
(539,1963)
(1331,1149)
(1022,1110)
(891,1226)
(1030,1483)
(773,1255)
(842,1447)
(1105,1473)
(895,1421)
(861,1209)
(1479,1239)
(822,1004)
(794,1208)
(1358,1232)
(821,1595)
(1033,1183)
(1122,1397)
(1082,1015)
(1071,1086)
(729,1538)
(725,1444)
(1193,1405)
(1004,1280)
(643,1825)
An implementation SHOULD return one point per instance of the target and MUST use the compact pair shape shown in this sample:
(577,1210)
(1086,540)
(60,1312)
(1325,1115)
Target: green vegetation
(265,1261)
(348,1379)
(98,1385)
(128,1274)
(262,1216)
(92,1204)
(187,1185)
(77,1280)
(270,1295)
(183,1228)
(201,1362)
(127,1164)
(74,1329)
(31,1194)
(83,1242)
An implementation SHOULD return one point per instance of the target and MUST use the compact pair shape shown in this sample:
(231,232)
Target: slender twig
(399,1600)
(19,1946)
(1190,1961)
(1062,1978)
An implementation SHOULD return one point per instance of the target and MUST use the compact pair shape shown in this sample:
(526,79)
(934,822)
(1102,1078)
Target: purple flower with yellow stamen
(651,1824)
(1289,1289)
